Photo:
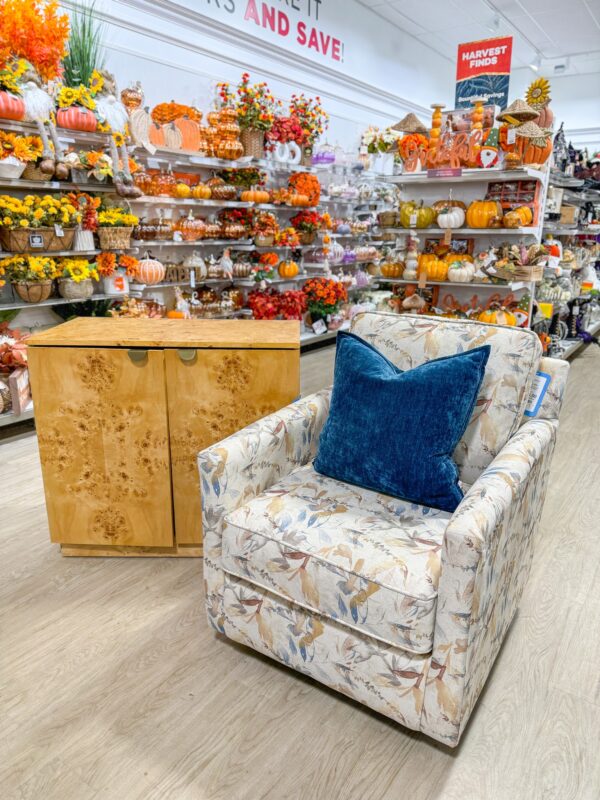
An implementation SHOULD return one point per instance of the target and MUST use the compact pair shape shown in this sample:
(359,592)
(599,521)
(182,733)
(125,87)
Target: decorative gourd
(440,205)
(189,130)
(481,212)
(156,134)
(426,258)
(139,125)
(175,314)
(392,269)
(182,190)
(503,138)
(412,260)
(460,271)
(77,119)
(288,269)
(497,315)
(518,217)
(437,270)
(255,196)
(150,271)
(11,106)
(451,218)
(545,118)
(450,257)
(173,138)
(201,191)
(423,215)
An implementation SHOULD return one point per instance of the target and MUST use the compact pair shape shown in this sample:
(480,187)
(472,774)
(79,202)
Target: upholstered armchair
(401,607)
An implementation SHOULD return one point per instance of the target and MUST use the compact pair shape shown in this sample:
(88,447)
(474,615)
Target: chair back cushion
(408,341)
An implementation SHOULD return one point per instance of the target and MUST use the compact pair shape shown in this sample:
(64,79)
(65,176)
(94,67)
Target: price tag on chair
(541,382)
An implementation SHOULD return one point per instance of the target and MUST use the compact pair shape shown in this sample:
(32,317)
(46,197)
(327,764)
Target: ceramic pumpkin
(255,196)
(139,125)
(201,191)
(288,269)
(156,134)
(497,315)
(419,215)
(392,269)
(460,271)
(518,217)
(451,218)
(150,271)
(77,119)
(440,205)
(534,151)
(11,106)
(437,270)
(481,212)
(450,257)
(182,190)
(301,200)
(189,131)
(173,138)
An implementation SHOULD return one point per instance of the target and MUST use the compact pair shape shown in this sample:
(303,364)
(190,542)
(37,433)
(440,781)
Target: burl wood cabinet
(123,406)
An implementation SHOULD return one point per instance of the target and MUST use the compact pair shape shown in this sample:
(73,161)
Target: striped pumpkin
(150,271)
(11,106)
(76,119)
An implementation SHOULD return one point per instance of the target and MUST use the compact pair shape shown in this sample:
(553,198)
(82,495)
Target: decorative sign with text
(483,70)
(297,22)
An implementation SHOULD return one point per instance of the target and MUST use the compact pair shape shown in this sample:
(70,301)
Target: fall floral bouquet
(115,226)
(311,116)
(108,263)
(23,148)
(30,269)
(255,105)
(285,129)
(116,217)
(288,237)
(292,304)
(307,221)
(307,184)
(264,229)
(380,141)
(264,303)
(264,265)
(324,296)
(77,269)
(34,211)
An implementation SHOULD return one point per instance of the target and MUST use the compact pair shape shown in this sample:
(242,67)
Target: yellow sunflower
(96,83)
(103,127)
(86,99)
(538,93)
(119,138)
(68,96)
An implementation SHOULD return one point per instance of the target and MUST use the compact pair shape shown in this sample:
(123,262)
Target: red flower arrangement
(324,295)
(285,129)
(270,304)
(241,215)
(287,238)
(307,221)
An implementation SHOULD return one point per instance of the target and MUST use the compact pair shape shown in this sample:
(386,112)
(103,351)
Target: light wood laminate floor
(114,688)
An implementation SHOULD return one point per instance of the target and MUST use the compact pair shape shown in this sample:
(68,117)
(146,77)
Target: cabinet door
(212,394)
(102,427)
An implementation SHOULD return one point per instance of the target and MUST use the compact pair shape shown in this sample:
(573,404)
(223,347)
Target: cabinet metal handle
(187,356)
(138,356)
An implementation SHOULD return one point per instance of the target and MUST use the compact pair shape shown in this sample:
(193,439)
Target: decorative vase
(253,141)
(72,290)
(115,284)
(33,291)
(11,168)
(307,156)
(83,240)
(306,237)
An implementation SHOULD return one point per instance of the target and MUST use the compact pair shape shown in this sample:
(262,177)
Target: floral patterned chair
(402,607)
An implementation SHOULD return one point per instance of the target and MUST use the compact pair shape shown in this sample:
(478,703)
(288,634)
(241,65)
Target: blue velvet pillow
(395,431)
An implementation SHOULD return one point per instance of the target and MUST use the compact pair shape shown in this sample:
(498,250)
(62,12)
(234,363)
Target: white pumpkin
(451,218)
(460,272)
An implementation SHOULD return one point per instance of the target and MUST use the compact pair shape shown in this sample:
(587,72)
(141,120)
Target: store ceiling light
(536,63)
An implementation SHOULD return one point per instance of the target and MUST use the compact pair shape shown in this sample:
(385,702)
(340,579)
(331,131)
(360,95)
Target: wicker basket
(388,219)
(264,241)
(33,291)
(307,238)
(253,141)
(114,238)
(30,240)
(520,272)
(34,173)
(71,290)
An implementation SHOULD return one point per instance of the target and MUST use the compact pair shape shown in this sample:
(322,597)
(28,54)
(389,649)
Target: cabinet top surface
(110,332)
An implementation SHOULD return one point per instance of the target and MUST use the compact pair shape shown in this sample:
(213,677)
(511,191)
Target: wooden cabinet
(122,408)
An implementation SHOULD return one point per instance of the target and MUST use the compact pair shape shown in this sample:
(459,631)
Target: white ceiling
(557,31)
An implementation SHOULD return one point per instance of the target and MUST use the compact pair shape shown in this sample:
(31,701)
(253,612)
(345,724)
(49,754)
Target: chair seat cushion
(368,560)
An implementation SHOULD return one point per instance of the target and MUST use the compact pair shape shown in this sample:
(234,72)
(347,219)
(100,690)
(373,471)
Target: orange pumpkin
(156,135)
(190,133)
(182,190)
(392,269)
(440,205)
(523,214)
(481,212)
(299,200)
(288,269)
(437,270)
(175,314)
(77,119)
(450,257)
(545,118)
(255,196)
(503,138)
(497,315)
(532,151)
(150,271)
(201,191)
(11,106)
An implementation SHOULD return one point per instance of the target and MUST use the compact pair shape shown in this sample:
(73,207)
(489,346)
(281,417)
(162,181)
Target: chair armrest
(250,461)
(553,399)
(486,558)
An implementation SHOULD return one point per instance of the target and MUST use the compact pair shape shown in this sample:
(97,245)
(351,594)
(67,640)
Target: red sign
(486,57)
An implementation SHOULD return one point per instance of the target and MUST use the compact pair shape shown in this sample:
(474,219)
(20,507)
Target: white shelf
(10,418)
(470,176)
(231,244)
(55,186)
(458,232)
(57,301)
(71,253)
(570,350)
(515,286)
